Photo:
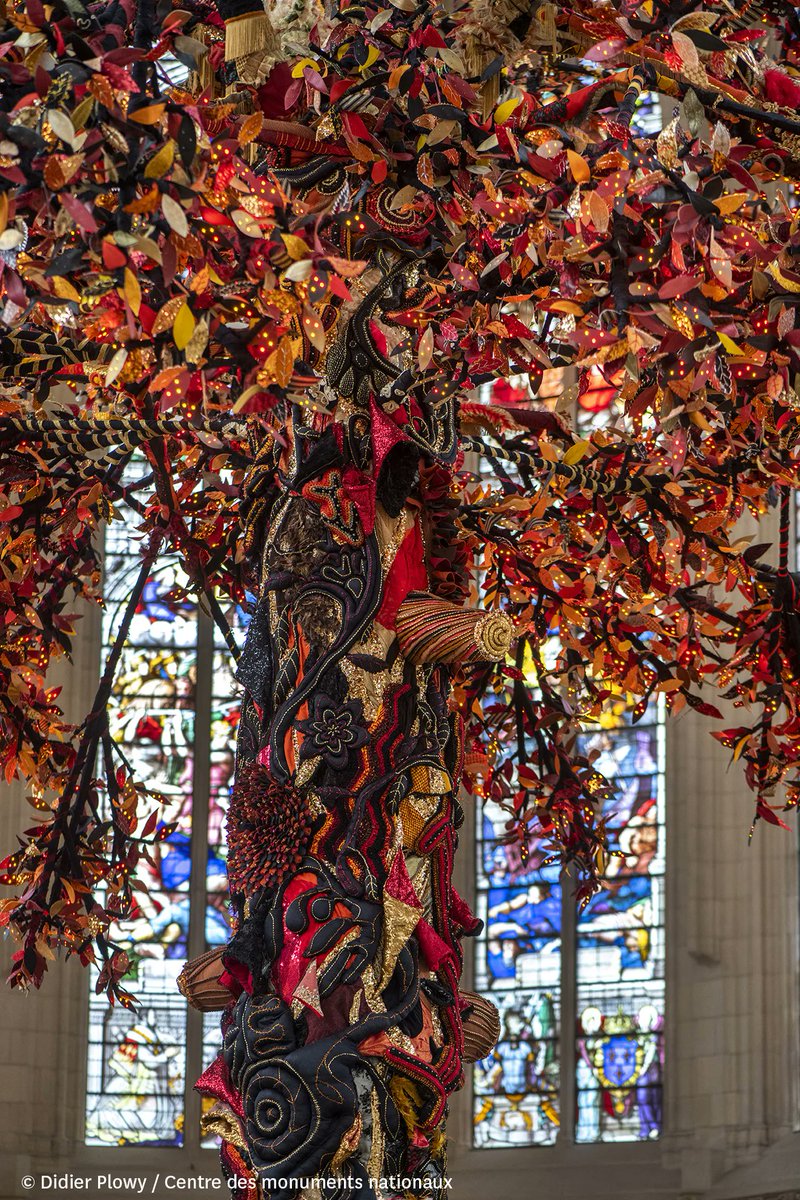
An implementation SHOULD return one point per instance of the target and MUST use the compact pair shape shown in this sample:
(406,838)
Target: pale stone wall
(42,1034)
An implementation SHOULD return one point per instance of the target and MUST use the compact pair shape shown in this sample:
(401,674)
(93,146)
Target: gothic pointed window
(173,715)
(580,992)
(550,968)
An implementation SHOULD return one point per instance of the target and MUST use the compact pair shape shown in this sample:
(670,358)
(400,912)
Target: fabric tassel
(205,78)
(246,34)
(199,982)
(486,35)
(481,1024)
(433,630)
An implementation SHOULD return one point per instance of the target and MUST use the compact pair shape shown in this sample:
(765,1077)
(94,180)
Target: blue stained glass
(519,922)
(518,964)
(136,1065)
(647,115)
(623,752)
(225,714)
(620,950)
(620,1063)
(516,1087)
(619,962)
(501,859)
(619,936)
(623,938)
(137,1059)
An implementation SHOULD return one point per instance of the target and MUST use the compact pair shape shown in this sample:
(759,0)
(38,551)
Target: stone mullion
(201,798)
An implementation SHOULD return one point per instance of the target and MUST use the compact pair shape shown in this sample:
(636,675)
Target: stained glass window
(616,974)
(620,943)
(173,714)
(518,966)
(225,710)
(137,1059)
(550,969)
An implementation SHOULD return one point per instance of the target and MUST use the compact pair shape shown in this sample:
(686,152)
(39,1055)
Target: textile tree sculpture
(280,281)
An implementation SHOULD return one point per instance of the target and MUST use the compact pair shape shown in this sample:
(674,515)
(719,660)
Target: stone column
(732,961)
(43,1034)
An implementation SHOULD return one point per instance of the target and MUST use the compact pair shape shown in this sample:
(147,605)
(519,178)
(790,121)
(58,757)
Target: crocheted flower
(269,829)
(335,730)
